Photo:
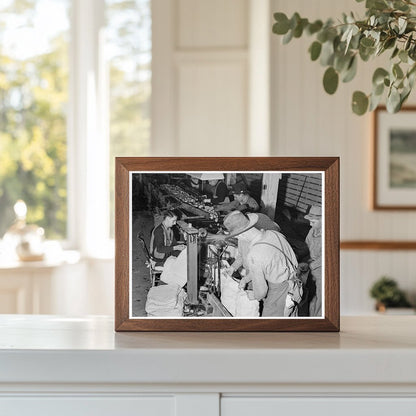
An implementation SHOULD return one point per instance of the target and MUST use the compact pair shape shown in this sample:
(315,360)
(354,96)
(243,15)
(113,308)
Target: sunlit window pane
(33,102)
(129,58)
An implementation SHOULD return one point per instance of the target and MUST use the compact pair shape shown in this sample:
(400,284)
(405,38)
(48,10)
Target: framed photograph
(227,244)
(394,179)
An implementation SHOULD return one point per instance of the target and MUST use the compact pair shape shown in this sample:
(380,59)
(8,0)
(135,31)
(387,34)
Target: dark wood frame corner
(328,165)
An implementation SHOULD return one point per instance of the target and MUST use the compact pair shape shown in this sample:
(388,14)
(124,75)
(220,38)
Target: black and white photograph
(226,244)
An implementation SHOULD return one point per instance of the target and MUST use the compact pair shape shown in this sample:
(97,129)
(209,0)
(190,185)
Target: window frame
(87,133)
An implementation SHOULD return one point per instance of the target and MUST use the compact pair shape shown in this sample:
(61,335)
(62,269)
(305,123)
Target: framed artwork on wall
(394,159)
(227,244)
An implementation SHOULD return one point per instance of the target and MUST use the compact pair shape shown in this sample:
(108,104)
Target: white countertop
(53,349)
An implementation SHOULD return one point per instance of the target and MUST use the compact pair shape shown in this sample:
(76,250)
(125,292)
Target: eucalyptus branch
(388,26)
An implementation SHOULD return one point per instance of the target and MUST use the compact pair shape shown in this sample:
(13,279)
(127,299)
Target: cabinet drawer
(87,406)
(274,406)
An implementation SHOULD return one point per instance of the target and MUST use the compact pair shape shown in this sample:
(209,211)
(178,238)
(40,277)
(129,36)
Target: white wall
(200,77)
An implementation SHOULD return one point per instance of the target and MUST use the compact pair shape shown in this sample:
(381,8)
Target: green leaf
(397,71)
(399,85)
(327,33)
(349,18)
(389,43)
(404,95)
(376,4)
(337,43)
(288,37)
(314,27)
(351,71)
(281,27)
(395,52)
(402,24)
(394,26)
(341,61)
(294,20)
(366,53)
(379,75)
(412,52)
(315,50)
(367,42)
(359,103)
(376,36)
(412,78)
(408,42)
(403,56)
(411,75)
(298,30)
(378,89)
(327,53)
(393,101)
(374,101)
(400,5)
(332,33)
(330,80)
(412,70)
(348,35)
(355,41)
(322,36)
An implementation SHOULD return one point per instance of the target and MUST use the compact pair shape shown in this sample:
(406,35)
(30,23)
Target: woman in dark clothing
(163,242)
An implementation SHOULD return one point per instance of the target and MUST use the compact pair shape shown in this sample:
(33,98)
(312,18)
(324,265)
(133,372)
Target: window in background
(33,101)
(129,53)
(46,92)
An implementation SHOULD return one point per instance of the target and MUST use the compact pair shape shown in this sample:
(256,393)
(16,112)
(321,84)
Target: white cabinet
(80,366)
(88,406)
(323,406)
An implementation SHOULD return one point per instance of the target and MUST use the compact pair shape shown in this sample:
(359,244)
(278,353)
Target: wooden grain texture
(331,271)
(378,245)
(122,247)
(376,205)
(329,165)
(259,164)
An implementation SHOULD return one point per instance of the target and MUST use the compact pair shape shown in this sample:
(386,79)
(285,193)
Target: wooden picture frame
(394,158)
(134,169)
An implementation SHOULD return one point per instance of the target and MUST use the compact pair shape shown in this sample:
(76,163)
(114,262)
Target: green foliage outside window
(33,97)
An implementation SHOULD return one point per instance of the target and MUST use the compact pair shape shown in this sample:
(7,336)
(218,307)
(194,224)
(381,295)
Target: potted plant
(387,294)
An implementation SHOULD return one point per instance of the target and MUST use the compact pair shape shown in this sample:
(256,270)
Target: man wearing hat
(242,200)
(263,223)
(270,261)
(314,242)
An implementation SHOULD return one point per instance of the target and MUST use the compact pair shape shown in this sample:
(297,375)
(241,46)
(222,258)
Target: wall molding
(377,245)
